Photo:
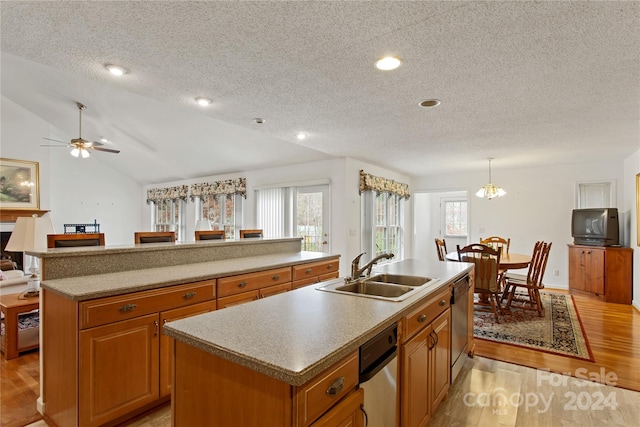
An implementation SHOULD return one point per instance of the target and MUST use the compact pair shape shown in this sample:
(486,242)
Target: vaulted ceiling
(528,83)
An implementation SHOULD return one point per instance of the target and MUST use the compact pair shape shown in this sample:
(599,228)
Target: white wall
(631,169)
(74,190)
(537,206)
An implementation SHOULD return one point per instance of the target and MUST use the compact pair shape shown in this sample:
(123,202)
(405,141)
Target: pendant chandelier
(490,191)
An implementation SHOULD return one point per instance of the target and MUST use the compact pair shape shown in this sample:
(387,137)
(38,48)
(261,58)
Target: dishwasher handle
(378,366)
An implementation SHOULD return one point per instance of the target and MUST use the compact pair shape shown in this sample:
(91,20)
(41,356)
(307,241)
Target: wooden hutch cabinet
(602,272)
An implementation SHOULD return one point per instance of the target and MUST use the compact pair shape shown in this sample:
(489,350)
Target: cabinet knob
(329,267)
(422,318)
(189,295)
(442,303)
(276,277)
(336,387)
(308,271)
(242,284)
(127,308)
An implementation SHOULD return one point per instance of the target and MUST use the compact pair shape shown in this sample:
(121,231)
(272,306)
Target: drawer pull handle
(189,295)
(422,318)
(242,284)
(127,308)
(336,387)
(276,277)
(443,303)
(308,271)
(155,322)
(329,267)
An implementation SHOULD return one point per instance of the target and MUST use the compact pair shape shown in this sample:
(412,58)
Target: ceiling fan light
(75,152)
(84,153)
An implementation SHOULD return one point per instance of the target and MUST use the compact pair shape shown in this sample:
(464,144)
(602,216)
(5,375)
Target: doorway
(312,217)
(442,215)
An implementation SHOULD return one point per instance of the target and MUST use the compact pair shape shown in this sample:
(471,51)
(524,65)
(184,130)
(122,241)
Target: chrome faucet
(356,271)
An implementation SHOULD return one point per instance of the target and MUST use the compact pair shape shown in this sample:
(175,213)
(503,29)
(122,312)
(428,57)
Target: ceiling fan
(81,147)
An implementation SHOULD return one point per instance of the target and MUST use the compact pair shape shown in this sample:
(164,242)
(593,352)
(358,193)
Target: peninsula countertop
(296,335)
(110,284)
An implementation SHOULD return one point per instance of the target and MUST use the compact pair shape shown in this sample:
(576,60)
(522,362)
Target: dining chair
(532,282)
(245,234)
(74,240)
(154,236)
(497,242)
(487,278)
(209,234)
(441,248)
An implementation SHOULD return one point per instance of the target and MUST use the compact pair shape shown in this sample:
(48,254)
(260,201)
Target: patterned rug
(559,331)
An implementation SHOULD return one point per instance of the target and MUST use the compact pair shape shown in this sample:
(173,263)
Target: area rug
(559,331)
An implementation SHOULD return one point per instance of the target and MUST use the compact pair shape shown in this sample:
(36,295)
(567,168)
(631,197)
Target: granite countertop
(296,335)
(104,285)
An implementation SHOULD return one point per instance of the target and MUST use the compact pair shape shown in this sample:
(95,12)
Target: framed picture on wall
(19,184)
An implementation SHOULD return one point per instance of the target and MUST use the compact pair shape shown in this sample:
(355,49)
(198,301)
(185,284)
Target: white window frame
(443,215)
(369,226)
(587,194)
(179,227)
(238,203)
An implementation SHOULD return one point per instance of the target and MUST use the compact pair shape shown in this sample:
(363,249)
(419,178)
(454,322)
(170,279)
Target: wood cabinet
(601,272)
(425,360)
(106,358)
(347,413)
(315,272)
(243,288)
(236,395)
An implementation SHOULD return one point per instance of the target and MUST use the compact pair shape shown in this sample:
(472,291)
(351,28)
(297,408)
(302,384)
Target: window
(224,212)
(382,224)
(168,215)
(455,218)
(596,194)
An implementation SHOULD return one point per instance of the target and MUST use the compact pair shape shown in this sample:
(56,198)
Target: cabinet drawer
(252,281)
(324,391)
(425,313)
(121,307)
(315,269)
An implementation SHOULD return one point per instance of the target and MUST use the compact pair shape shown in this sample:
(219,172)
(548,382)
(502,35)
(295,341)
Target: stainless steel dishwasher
(378,377)
(459,324)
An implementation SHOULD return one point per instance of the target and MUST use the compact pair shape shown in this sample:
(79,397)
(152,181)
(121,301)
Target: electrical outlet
(556,272)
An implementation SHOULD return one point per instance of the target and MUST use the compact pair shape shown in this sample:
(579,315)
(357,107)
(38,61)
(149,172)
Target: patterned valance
(383,185)
(229,186)
(155,195)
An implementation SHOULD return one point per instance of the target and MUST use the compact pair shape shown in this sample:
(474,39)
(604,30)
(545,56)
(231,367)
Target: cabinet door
(415,410)
(347,413)
(166,342)
(577,269)
(118,369)
(594,271)
(440,358)
(274,290)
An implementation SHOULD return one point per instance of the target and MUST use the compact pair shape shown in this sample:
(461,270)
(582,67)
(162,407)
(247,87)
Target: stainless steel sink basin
(390,287)
(401,279)
(367,287)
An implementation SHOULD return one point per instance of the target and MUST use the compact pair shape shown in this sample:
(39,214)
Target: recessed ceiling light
(388,63)
(116,70)
(430,103)
(301,136)
(259,120)
(203,101)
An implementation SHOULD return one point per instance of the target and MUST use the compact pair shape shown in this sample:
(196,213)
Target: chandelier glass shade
(489,191)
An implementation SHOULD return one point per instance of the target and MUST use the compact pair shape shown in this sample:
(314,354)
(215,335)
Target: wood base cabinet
(426,355)
(605,273)
(315,272)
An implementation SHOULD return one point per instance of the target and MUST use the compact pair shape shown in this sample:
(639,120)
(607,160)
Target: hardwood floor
(613,331)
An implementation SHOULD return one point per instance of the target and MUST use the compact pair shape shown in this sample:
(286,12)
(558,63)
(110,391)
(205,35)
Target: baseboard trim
(636,305)
(40,406)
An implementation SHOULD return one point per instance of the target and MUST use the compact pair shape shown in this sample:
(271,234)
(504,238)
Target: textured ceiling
(528,83)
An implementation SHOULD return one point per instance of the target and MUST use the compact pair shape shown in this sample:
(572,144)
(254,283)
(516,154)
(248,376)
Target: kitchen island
(104,356)
(292,359)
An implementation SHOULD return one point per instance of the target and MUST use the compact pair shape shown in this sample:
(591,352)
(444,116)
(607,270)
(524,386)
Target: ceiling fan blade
(108,150)
(93,143)
(55,140)
(52,145)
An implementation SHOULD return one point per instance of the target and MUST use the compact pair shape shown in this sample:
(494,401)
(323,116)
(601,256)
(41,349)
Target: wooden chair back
(74,240)
(486,260)
(246,234)
(154,236)
(209,234)
(441,248)
(538,264)
(497,242)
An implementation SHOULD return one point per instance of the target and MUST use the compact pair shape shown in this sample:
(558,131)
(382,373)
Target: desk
(507,261)
(12,306)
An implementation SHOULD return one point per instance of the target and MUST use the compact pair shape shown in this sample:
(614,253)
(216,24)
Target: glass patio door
(312,217)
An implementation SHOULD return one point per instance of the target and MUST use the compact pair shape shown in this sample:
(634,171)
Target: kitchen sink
(390,287)
(401,279)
